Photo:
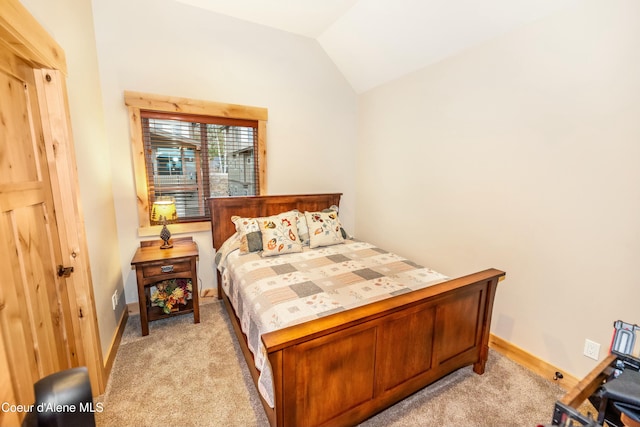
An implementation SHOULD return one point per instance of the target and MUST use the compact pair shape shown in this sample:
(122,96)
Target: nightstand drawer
(160,268)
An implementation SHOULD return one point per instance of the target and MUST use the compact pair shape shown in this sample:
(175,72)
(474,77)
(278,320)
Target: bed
(342,368)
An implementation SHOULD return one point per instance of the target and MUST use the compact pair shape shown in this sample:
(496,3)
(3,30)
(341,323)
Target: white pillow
(249,232)
(324,228)
(303,230)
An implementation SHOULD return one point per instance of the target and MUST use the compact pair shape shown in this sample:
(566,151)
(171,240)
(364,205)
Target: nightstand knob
(166,268)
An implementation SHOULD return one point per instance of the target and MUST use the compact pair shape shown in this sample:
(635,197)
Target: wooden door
(47,323)
(34,301)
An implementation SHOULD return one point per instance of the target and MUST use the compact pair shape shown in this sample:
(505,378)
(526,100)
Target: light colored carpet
(187,374)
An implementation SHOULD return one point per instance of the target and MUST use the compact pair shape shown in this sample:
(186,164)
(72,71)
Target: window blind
(193,158)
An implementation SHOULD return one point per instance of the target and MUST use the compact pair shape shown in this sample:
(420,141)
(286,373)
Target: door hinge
(64,271)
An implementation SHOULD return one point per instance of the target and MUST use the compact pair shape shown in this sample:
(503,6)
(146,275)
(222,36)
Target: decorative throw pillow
(324,228)
(303,230)
(345,235)
(280,234)
(250,236)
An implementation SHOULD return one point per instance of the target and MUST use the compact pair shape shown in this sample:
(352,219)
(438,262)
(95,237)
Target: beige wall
(520,154)
(70,23)
(165,47)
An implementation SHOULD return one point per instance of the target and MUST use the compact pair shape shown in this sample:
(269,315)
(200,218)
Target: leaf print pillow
(279,234)
(324,228)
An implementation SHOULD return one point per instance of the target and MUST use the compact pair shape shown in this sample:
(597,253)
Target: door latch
(64,271)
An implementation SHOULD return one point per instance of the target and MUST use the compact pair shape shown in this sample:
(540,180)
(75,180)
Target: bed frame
(343,368)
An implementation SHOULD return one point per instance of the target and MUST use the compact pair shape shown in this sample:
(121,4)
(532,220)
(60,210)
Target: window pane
(232,156)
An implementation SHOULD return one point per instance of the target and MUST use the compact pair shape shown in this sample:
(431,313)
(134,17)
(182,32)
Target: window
(194,150)
(193,158)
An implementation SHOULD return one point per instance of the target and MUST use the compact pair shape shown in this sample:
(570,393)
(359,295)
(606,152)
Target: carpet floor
(186,374)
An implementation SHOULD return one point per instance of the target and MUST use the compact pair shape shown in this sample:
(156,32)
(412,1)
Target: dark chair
(63,399)
(620,392)
(629,414)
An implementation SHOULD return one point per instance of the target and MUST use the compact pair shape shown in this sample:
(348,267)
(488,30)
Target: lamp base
(165,235)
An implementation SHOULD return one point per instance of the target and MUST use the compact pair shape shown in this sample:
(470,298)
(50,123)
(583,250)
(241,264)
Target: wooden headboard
(223,208)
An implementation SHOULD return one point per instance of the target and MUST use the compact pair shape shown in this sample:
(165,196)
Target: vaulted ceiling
(376,41)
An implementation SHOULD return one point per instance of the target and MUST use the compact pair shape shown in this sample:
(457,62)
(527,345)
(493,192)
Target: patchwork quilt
(271,293)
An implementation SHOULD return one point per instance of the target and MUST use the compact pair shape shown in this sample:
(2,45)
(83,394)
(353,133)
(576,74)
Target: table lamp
(164,212)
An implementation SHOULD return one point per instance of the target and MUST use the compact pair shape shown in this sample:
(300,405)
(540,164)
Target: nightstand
(154,265)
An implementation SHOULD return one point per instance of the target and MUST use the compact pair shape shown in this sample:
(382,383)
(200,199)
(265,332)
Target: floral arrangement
(170,293)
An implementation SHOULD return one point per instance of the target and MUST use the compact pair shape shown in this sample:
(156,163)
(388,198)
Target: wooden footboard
(346,367)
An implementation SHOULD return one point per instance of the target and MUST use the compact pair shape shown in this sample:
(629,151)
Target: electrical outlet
(591,349)
(114,299)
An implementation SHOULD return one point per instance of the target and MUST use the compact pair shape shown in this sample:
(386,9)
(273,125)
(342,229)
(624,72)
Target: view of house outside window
(195,158)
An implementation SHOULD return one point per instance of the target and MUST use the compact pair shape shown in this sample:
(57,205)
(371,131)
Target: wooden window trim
(136,101)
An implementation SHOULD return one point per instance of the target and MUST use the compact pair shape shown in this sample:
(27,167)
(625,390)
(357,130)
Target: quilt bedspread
(270,293)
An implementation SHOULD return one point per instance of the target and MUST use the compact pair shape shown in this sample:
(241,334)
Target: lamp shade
(164,210)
